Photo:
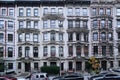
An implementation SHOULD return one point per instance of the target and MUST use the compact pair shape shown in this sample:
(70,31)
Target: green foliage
(50,69)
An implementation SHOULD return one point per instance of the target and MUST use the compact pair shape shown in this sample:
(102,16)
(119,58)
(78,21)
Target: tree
(95,65)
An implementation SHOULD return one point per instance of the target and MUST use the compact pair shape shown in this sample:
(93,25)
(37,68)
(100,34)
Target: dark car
(73,76)
(7,78)
(106,76)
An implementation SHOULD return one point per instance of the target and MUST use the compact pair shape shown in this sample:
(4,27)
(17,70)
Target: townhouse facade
(65,33)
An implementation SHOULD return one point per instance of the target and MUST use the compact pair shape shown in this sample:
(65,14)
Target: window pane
(118,11)
(45,11)
(84,11)
(1,51)
(60,10)
(3,12)
(27,37)
(10,37)
(70,11)
(52,23)
(11,12)
(21,12)
(45,24)
(35,52)
(35,37)
(45,36)
(10,24)
(70,24)
(52,10)
(1,24)
(10,52)
(52,37)
(1,37)
(21,24)
(36,24)
(28,12)
(19,51)
(95,36)
(10,65)
(45,51)
(35,12)
(77,11)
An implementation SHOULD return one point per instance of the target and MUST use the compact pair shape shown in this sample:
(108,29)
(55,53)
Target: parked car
(73,76)
(106,76)
(39,76)
(7,78)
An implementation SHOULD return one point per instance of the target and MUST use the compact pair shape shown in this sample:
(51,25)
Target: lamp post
(60,27)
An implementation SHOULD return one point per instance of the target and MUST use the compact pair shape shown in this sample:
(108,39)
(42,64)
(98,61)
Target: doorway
(27,67)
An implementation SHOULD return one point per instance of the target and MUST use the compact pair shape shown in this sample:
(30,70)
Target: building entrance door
(104,65)
(27,67)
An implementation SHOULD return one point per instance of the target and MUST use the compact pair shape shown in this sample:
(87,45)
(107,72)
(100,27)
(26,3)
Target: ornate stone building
(66,33)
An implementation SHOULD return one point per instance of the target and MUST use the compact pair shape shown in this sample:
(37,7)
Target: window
(60,23)
(84,11)
(104,50)
(1,37)
(35,12)
(70,11)
(45,51)
(78,37)
(70,50)
(70,24)
(28,12)
(103,24)
(19,65)
(70,65)
(45,11)
(60,10)
(118,35)
(35,24)
(45,24)
(95,50)
(35,37)
(21,24)
(52,24)
(103,36)
(95,36)
(118,23)
(10,65)
(27,37)
(118,48)
(11,12)
(52,37)
(70,37)
(85,37)
(19,51)
(10,37)
(10,52)
(77,11)
(109,24)
(77,23)
(60,36)
(94,12)
(52,10)
(35,51)
(95,24)
(27,51)
(28,24)
(53,51)
(101,11)
(44,63)
(10,24)
(1,51)
(60,51)
(1,24)
(111,50)
(84,24)
(110,36)
(21,12)
(78,51)
(118,11)
(20,37)
(45,36)
(3,12)
(108,11)
(36,65)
